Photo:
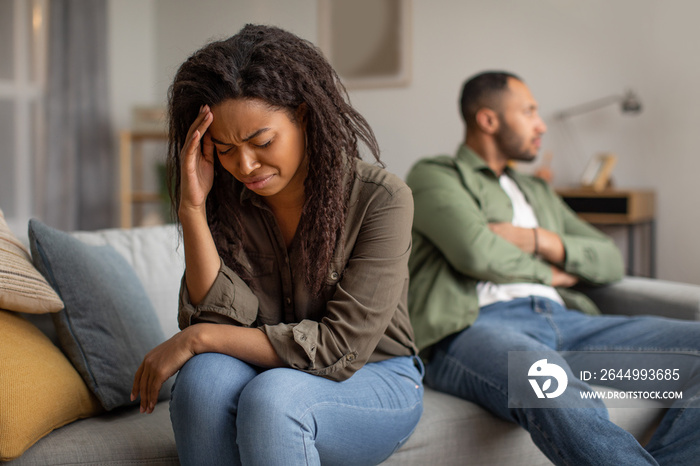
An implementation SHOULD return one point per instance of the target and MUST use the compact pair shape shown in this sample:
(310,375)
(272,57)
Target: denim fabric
(473,364)
(225,411)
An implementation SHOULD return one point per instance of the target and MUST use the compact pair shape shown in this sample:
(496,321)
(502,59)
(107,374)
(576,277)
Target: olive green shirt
(453,249)
(360,315)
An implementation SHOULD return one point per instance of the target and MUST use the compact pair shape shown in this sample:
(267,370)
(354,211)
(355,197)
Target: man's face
(520,126)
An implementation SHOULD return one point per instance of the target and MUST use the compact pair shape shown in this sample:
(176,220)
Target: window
(23,30)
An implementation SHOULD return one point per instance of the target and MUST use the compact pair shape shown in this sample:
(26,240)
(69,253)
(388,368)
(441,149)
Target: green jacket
(455,199)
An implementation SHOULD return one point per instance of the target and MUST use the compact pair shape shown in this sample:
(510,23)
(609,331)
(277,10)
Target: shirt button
(334,275)
(351,357)
(289,301)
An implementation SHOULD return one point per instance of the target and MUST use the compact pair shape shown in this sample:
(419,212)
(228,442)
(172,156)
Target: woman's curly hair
(285,71)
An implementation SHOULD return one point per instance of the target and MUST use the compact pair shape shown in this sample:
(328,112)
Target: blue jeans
(227,412)
(473,364)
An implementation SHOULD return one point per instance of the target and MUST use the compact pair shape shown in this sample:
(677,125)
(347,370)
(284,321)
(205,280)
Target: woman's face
(261,147)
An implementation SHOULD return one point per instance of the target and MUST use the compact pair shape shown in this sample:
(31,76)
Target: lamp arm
(589,106)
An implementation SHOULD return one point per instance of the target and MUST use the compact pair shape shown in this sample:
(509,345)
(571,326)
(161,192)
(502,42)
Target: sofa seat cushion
(451,432)
(120,437)
(455,432)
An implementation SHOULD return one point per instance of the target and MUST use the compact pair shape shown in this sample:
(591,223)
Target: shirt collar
(466,155)
(248,196)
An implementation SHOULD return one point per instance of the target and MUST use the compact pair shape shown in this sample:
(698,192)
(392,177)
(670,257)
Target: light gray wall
(183,26)
(569,52)
(132,55)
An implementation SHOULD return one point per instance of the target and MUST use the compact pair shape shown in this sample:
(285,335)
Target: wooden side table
(629,208)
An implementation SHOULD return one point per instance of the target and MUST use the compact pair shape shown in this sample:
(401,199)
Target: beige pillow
(39,388)
(22,287)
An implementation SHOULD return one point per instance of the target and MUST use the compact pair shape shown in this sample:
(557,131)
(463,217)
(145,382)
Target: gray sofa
(451,431)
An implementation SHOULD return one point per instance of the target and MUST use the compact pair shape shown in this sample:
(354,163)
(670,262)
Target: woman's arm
(247,344)
(201,257)
(197,178)
(202,269)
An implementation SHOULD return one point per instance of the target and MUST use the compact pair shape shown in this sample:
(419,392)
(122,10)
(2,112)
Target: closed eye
(263,145)
(222,151)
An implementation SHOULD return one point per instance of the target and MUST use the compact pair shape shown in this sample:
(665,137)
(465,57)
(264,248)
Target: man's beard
(511,144)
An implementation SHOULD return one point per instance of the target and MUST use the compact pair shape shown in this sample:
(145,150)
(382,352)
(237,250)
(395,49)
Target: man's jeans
(226,412)
(473,364)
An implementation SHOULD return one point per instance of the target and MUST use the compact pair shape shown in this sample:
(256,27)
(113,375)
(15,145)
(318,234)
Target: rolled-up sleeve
(366,297)
(228,297)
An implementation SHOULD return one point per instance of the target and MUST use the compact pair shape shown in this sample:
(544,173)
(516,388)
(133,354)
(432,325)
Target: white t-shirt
(523,216)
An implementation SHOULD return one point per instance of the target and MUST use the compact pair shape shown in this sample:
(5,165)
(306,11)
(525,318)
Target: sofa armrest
(640,296)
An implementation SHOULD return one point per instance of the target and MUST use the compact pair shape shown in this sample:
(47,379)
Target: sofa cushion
(22,288)
(157,257)
(39,388)
(120,437)
(455,431)
(108,324)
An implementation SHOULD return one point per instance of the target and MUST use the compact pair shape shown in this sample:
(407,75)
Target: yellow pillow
(39,388)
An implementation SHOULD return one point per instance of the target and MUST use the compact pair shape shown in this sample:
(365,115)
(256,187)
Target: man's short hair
(482,90)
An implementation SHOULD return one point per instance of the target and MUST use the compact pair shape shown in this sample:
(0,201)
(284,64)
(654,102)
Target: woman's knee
(275,392)
(279,400)
(209,380)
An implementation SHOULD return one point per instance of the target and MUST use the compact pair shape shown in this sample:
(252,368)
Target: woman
(296,347)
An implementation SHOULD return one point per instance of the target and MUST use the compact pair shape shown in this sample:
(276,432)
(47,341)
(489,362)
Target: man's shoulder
(428,170)
(442,160)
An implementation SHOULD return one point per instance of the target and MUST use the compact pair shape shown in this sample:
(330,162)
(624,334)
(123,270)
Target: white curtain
(79,172)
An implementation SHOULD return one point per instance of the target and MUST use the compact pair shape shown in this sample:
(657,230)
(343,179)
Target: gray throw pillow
(108,324)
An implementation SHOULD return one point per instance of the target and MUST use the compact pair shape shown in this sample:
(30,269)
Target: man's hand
(544,243)
(562,279)
(538,241)
(523,238)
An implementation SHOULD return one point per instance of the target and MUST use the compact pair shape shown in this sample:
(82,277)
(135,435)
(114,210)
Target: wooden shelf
(131,172)
(611,207)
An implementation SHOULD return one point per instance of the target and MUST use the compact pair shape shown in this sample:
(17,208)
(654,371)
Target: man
(495,256)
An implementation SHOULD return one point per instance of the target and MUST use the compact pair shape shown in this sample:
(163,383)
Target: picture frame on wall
(368,42)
